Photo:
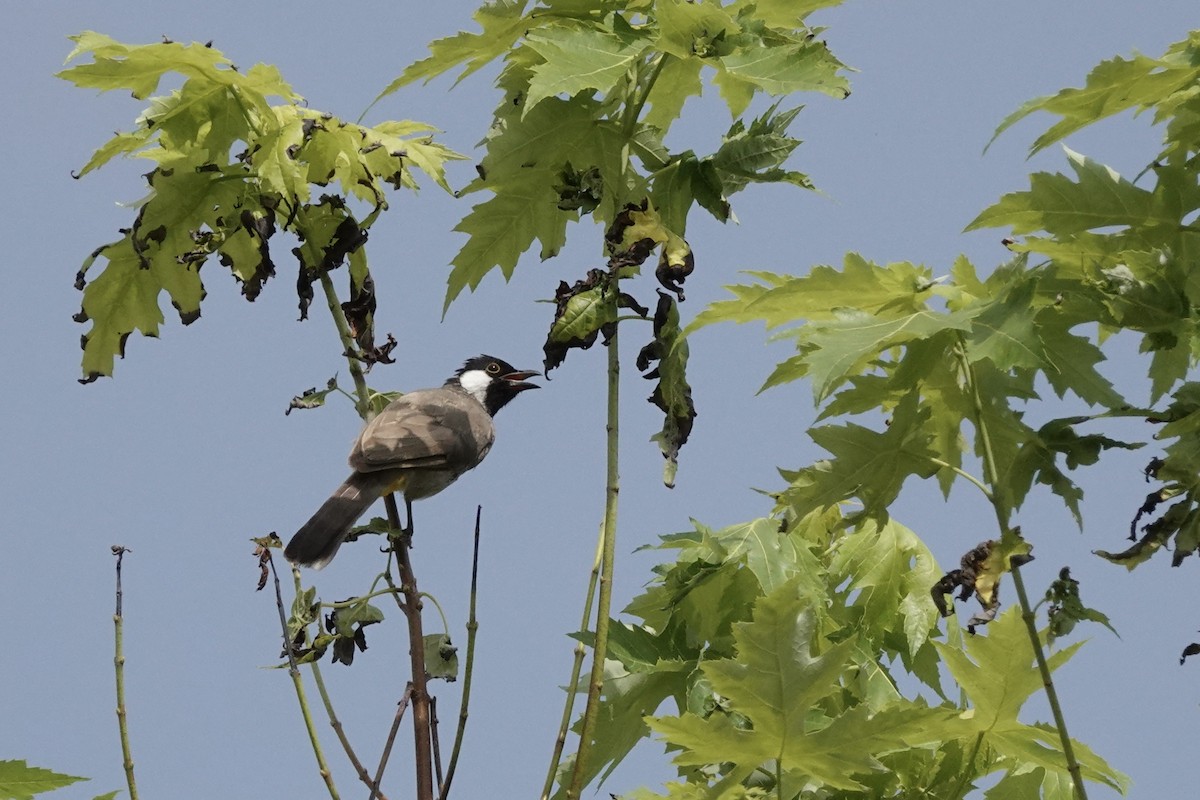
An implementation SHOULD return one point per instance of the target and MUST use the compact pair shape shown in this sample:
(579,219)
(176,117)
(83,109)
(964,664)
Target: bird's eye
(493,368)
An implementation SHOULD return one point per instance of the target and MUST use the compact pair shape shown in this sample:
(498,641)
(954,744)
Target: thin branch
(1000,505)
(363,403)
(422,736)
(391,739)
(468,667)
(433,735)
(119,669)
(591,711)
(576,668)
(297,681)
(336,724)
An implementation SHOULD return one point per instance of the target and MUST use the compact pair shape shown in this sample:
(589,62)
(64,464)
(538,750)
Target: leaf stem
(1000,505)
(965,475)
(356,600)
(608,536)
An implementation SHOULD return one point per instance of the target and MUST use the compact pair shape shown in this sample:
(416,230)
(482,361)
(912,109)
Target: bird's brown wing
(426,429)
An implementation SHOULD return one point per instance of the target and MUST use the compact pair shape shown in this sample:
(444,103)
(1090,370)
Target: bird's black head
(492,381)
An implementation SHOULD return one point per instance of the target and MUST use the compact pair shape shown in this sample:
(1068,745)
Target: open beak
(516,380)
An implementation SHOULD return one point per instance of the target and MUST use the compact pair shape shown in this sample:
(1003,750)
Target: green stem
(576,668)
(634,110)
(363,404)
(468,668)
(591,711)
(119,669)
(356,600)
(441,613)
(965,776)
(336,724)
(1003,510)
(965,475)
(298,684)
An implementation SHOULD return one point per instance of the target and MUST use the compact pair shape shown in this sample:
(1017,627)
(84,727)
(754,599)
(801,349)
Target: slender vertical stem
(401,707)
(1002,509)
(604,600)
(298,681)
(363,403)
(576,668)
(468,667)
(119,669)
(338,730)
(422,735)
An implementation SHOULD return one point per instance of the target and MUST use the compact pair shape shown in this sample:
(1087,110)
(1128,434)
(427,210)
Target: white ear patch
(475,382)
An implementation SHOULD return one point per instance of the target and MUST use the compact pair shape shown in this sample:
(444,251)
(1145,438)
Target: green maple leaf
(866,464)
(776,683)
(503,23)
(998,674)
(854,340)
(1004,332)
(678,81)
(578,58)
(522,165)
(785,14)
(19,781)
(139,68)
(1141,82)
(755,153)
(892,570)
(1098,197)
(806,66)
(1070,363)
(860,284)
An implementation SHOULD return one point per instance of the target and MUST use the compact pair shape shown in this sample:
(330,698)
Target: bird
(419,444)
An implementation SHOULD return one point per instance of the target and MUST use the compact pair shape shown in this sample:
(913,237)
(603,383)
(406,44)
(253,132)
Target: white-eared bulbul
(419,444)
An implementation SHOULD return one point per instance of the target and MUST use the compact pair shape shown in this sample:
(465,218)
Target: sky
(186,453)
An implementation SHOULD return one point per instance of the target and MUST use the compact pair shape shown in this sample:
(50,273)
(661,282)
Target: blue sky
(186,453)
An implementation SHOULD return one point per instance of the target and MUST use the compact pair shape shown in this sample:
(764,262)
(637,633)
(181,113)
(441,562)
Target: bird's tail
(318,540)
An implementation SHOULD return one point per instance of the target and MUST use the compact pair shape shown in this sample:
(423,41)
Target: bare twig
(119,668)
(468,668)
(391,739)
(564,725)
(336,724)
(433,735)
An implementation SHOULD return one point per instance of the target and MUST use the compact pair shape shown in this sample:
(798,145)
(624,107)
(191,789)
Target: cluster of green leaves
(786,648)
(590,92)
(576,78)
(229,167)
(787,688)
(935,355)
(1130,253)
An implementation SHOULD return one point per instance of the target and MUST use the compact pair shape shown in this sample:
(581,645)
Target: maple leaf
(998,674)
(866,464)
